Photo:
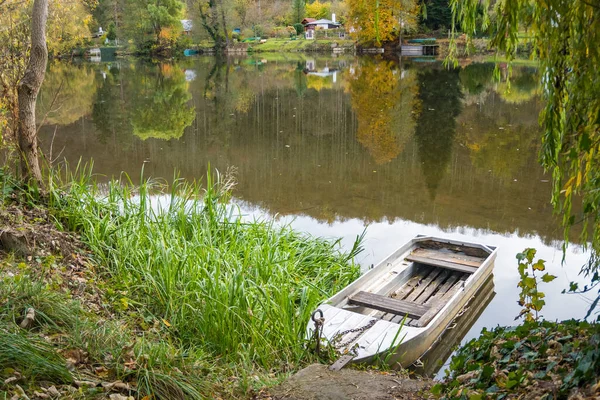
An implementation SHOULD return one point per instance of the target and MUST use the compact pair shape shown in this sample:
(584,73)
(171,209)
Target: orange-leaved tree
(379,21)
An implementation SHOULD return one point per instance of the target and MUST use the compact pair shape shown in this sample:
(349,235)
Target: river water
(335,145)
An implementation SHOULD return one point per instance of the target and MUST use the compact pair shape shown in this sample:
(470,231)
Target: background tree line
(154,26)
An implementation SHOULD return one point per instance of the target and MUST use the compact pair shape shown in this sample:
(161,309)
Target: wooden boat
(397,310)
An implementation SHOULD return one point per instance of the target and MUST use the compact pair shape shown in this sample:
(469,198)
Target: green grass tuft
(236,292)
(32,356)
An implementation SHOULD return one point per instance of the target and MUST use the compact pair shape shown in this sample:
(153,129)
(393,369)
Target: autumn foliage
(377,22)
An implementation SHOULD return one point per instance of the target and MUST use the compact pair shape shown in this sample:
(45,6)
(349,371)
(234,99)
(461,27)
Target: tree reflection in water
(440,103)
(67,94)
(160,107)
(381,143)
(382,97)
(145,100)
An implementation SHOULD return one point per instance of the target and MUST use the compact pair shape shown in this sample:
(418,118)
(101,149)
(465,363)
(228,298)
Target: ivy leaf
(530,253)
(537,304)
(539,265)
(436,390)
(529,282)
(548,278)
(492,389)
(487,372)
(510,384)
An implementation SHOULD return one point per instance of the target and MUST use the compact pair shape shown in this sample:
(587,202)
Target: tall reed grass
(240,290)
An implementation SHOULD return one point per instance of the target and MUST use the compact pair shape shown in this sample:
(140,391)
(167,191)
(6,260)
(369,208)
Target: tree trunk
(28,91)
(210,29)
(224,26)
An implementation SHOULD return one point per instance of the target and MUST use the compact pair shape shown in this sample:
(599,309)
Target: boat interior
(432,360)
(417,285)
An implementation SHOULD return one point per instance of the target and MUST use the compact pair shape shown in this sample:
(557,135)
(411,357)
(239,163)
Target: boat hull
(410,351)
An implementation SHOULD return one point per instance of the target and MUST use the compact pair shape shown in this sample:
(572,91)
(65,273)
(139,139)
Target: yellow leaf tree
(68,25)
(379,21)
(318,10)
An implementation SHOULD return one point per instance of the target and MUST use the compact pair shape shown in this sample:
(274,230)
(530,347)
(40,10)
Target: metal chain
(359,330)
(318,328)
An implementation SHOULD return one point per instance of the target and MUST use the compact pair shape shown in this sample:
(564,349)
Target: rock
(52,391)
(29,318)
(116,396)
(40,395)
(86,383)
(10,380)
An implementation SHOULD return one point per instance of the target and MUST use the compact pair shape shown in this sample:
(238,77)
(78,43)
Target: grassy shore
(178,300)
(302,45)
(165,292)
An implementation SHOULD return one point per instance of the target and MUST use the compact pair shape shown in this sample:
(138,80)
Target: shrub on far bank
(299,29)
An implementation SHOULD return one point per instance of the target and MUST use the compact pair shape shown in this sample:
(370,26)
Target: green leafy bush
(545,360)
(299,28)
(530,298)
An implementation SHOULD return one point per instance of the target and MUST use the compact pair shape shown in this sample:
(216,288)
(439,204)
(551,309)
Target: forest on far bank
(155,26)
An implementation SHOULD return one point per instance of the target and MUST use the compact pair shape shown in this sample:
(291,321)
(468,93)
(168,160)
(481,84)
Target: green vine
(530,298)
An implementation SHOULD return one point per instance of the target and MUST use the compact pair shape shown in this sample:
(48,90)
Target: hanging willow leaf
(564,35)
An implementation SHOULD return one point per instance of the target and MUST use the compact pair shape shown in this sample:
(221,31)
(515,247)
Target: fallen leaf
(10,380)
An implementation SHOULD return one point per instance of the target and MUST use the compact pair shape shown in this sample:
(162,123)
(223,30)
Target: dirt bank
(317,382)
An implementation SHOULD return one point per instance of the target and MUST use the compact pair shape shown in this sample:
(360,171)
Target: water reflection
(160,107)
(375,140)
(439,103)
(148,103)
(383,99)
(476,78)
(108,113)
(67,94)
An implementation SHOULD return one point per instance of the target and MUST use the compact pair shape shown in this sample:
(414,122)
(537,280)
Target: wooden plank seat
(389,305)
(454,264)
(449,256)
